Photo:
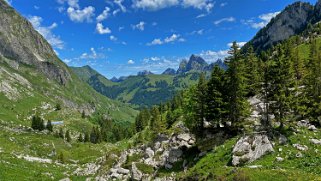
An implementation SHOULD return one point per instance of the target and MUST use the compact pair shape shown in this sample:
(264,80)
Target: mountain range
(147,89)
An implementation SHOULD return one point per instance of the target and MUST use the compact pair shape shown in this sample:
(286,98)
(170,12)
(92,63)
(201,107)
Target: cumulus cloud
(200,16)
(213,56)
(264,20)
(104,15)
(130,62)
(75,13)
(240,44)
(101,30)
(223,4)
(140,26)
(171,39)
(229,19)
(81,15)
(46,32)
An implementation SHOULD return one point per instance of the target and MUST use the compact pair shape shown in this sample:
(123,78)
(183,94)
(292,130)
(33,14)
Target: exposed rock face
(195,63)
(289,22)
(20,42)
(250,148)
(169,71)
(135,173)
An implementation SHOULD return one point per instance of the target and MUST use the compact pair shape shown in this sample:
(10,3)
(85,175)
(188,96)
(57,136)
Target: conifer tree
(156,122)
(67,136)
(216,108)
(253,77)
(237,88)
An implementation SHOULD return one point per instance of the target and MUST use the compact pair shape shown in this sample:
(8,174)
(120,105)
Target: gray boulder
(315,141)
(250,148)
(135,173)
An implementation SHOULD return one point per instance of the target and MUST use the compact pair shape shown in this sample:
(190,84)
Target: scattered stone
(279,159)
(65,179)
(168,166)
(303,123)
(315,141)
(149,153)
(280,149)
(282,140)
(300,147)
(254,166)
(312,128)
(185,137)
(135,173)
(299,155)
(123,171)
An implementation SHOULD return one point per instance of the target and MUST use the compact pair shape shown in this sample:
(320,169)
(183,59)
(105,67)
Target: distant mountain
(169,71)
(32,75)
(144,72)
(291,21)
(195,63)
(146,88)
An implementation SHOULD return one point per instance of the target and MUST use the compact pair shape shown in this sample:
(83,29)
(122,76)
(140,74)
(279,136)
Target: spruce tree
(281,83)
(67,136)
(216,108)
(201,90)
(237,88)
(49,126)
(253,76)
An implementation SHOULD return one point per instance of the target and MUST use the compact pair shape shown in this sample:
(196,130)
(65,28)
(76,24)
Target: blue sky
(122,37)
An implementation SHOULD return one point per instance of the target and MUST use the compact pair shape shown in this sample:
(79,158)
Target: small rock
(315,141)
(168,166)
(123,171)
(185,137)
(135,173)
(149,153)
(282,140)
(280,149)
(279,159)
(312,128)
(65,179)
(254,166)
(303,123)
(300,147)
(299,155)
(202,154)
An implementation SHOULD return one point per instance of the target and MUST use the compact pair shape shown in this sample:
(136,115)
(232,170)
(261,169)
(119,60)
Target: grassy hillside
(145,90)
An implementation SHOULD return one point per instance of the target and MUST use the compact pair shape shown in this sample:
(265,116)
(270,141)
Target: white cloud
(153,5)
(200,16)
(197,32)
(92,55)
(121,28)
(140,26)
(115,12)
(198,4)
(104,15)
(81,15)
(75,13)
(229,19)
(101,30)
(46,32)
(112,38)
(156,41)
(171,39)
(121,6)
(264,20)
(36,7)
(240,44)
(223,4)
(213,56)
(131,62)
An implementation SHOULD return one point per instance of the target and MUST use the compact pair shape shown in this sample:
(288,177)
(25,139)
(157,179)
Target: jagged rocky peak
(169,71)
(144,72)
(291,21)
(194,63)
(19,42)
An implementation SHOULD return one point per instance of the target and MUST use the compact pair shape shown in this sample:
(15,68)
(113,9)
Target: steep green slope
(34,80)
